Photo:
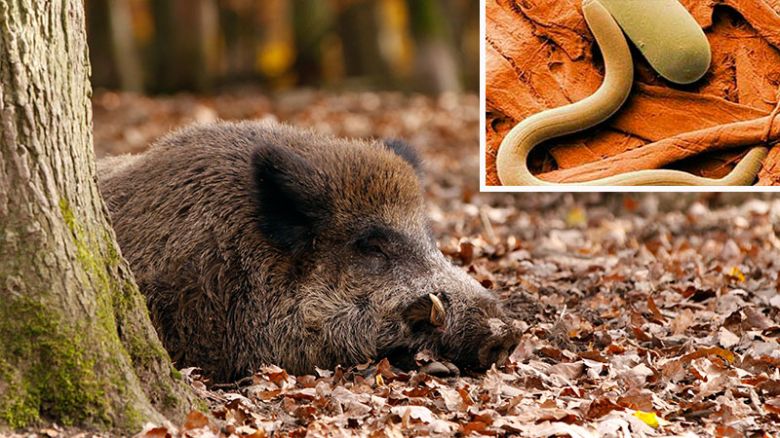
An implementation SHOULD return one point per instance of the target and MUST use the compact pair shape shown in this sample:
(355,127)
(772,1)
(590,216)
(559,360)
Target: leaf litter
(642,315)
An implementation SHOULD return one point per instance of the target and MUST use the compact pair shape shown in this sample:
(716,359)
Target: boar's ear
(292,199)
(405,151)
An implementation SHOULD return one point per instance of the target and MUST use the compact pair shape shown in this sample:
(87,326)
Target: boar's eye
(381,243)
(372,245)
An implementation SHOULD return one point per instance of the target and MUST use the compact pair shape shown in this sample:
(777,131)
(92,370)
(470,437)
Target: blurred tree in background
(159,46)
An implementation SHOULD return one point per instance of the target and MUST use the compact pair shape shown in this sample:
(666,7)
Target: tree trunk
(124,50)
(185,45)
(437,69)
(276,47)
(312,23)
(357,24)
(76,343)
(104,70)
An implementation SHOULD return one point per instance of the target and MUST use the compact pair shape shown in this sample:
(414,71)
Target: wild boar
(258,243)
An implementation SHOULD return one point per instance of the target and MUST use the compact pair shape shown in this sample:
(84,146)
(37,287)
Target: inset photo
(605,93)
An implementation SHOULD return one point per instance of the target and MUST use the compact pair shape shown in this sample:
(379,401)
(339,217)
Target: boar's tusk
(437,311)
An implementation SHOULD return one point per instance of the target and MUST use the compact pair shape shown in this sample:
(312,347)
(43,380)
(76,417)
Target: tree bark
(76,343)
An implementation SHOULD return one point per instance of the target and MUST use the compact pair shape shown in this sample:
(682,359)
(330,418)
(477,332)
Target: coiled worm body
(658,42)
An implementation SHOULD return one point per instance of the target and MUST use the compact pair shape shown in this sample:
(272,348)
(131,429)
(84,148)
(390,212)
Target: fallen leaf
(649,418)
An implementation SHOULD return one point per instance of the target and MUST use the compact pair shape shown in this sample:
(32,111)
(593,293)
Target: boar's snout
(489,342)
(501,342)
(467,325)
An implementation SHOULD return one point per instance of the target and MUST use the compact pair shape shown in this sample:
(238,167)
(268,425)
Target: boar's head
(351,224)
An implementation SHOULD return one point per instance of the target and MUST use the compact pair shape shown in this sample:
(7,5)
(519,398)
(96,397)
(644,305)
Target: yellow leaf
(736,274)
(274,58)
(576,217)
(379,380)
(649,418)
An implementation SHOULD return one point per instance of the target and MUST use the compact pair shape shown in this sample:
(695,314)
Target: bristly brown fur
(260,243)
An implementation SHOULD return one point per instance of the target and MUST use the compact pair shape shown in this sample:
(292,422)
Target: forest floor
(642,315)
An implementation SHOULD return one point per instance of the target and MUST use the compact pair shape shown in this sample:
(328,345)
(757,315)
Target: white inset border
(483,187)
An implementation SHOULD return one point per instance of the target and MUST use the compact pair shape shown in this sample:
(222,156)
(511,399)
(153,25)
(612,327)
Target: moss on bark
(76,371)
(48,368)
(76,343)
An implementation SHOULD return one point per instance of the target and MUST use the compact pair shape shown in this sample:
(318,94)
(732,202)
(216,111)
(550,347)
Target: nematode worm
(675,47)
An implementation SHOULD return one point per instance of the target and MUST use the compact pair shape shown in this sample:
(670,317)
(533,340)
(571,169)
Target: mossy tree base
(76,343)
